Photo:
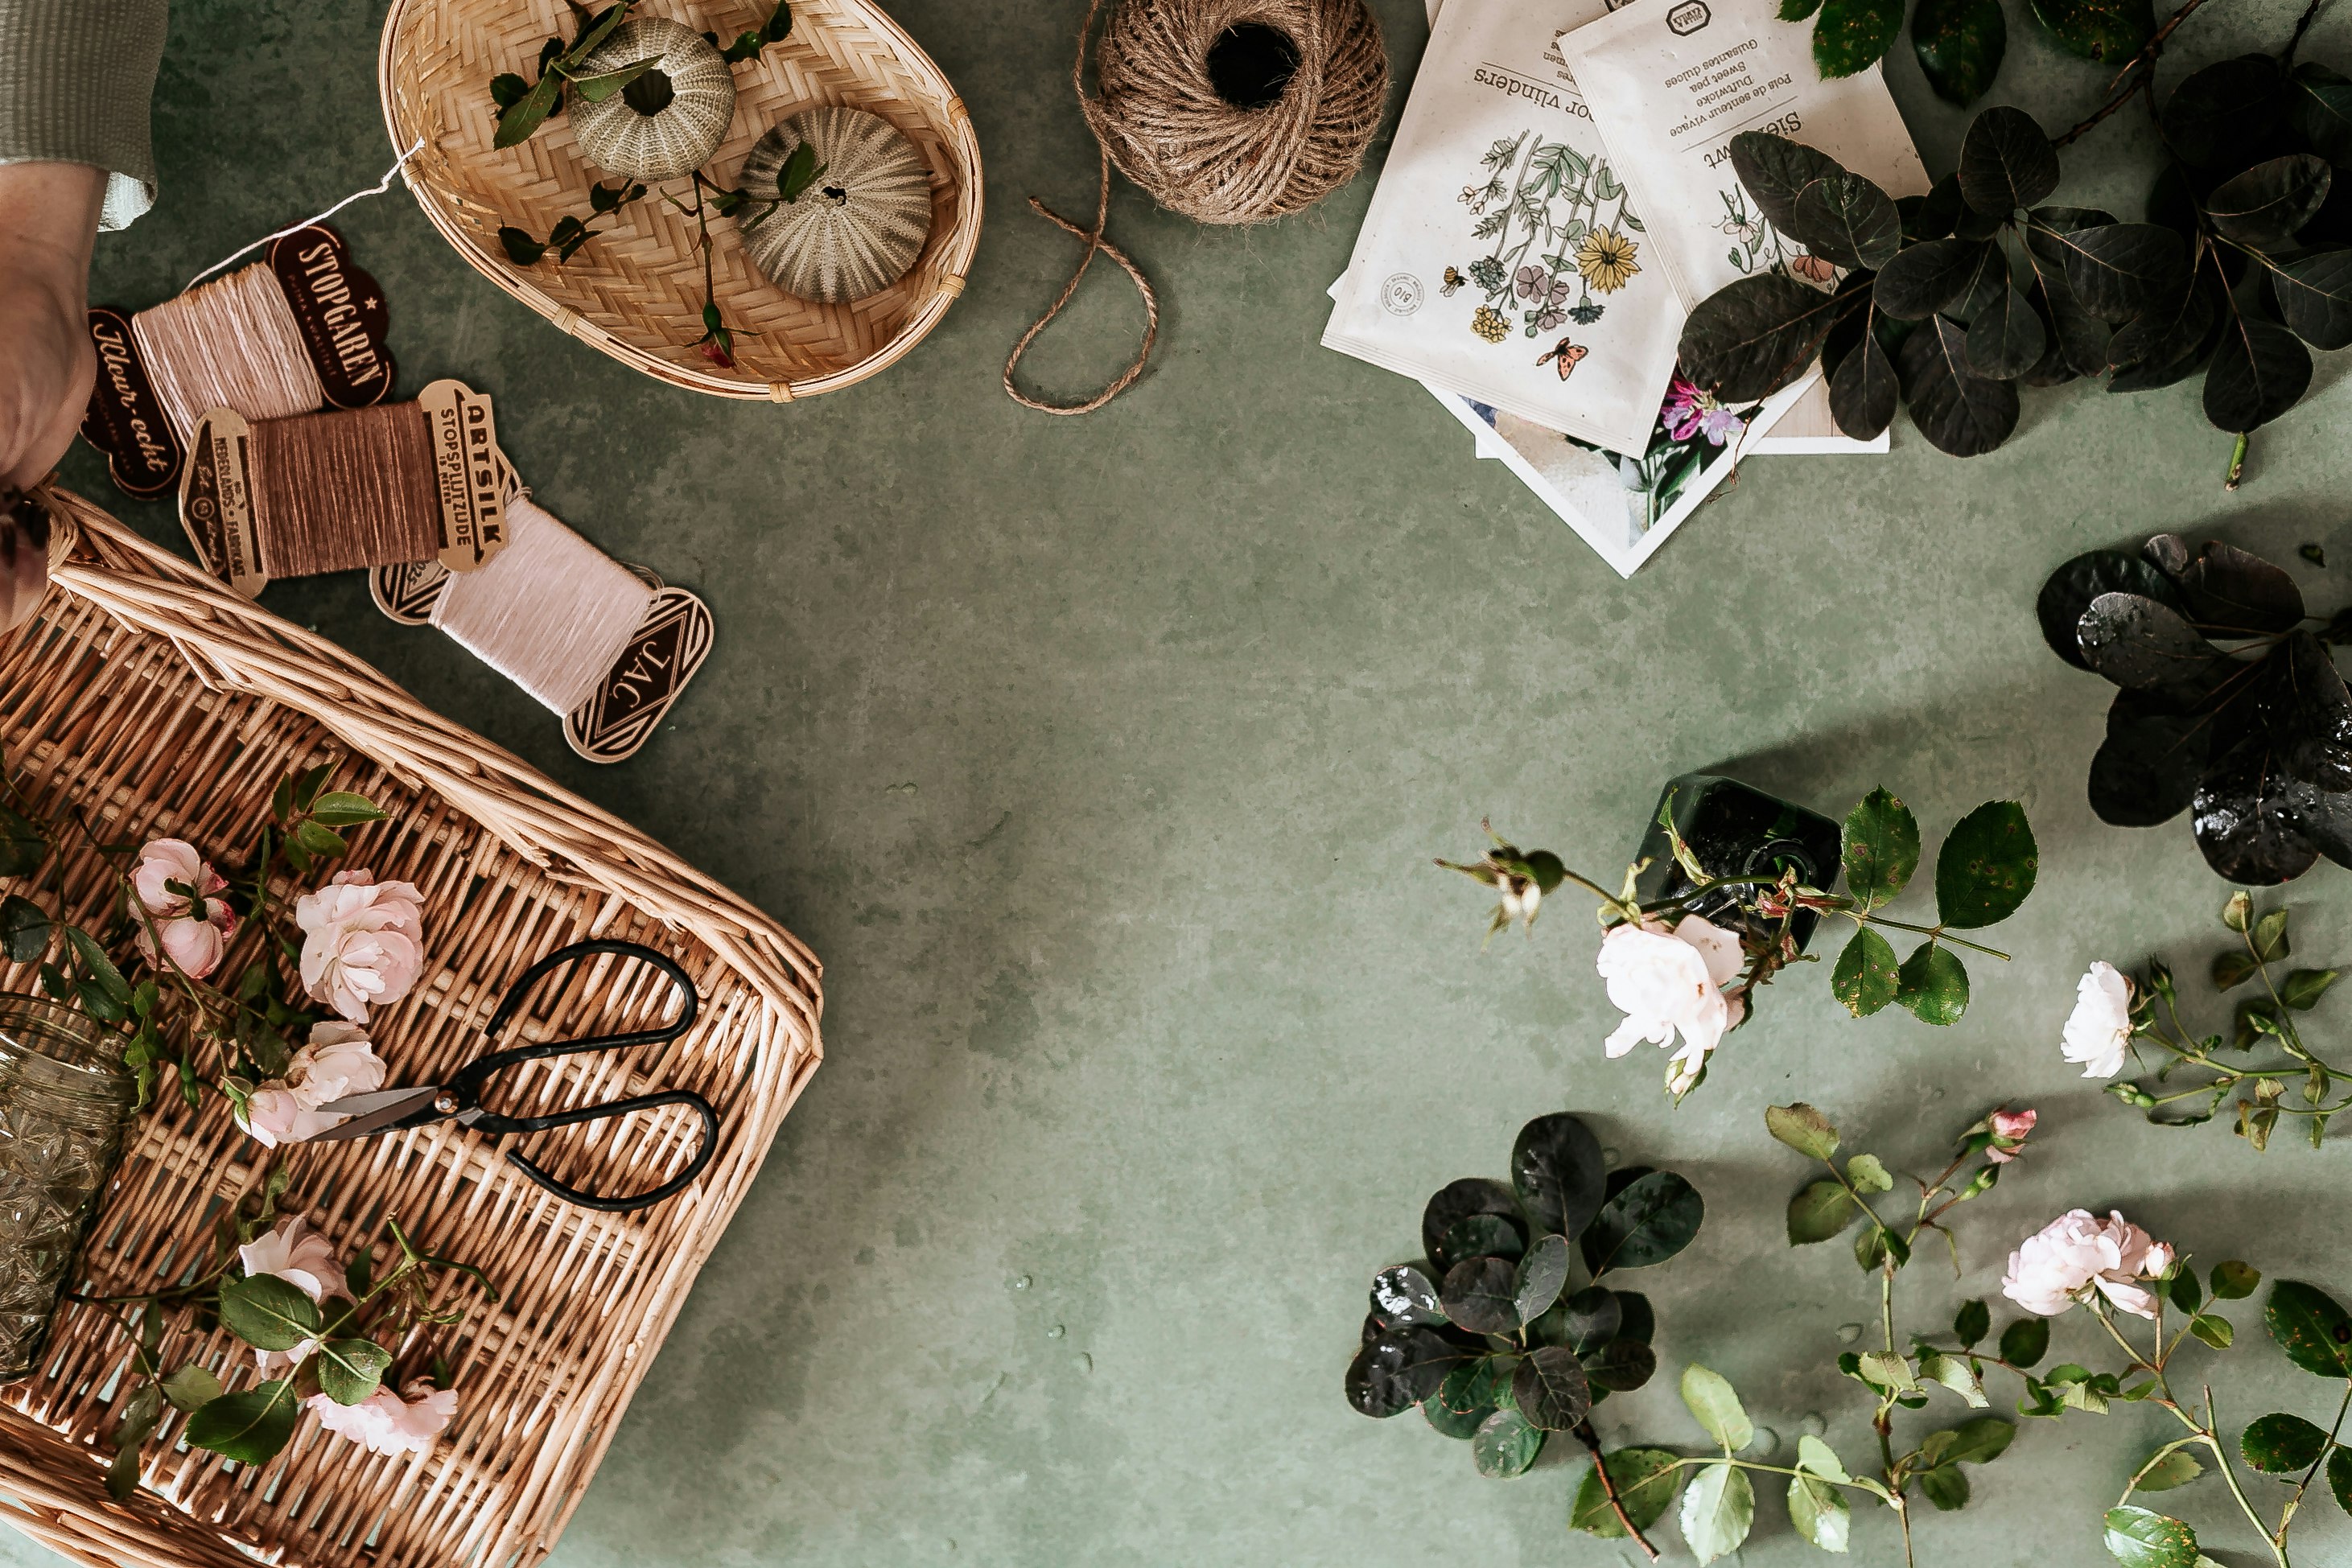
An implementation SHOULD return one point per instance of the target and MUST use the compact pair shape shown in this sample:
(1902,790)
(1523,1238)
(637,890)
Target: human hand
(48,219)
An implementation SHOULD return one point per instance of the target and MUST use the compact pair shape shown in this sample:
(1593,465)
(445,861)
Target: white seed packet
(1503,257)
(1671,82)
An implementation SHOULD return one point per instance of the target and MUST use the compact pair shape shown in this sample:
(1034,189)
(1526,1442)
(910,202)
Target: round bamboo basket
(635,290)
(158,703)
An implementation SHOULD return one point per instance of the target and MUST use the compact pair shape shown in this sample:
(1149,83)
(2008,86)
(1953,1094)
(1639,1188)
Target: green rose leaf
(1715,1404)
(1954,1373)
(24,929)
(1850,36)
(1865,977)
(23,844)
(1647,1480)
(1987,866)
(2215,1332)
(1881,848)
(2232,968)
(267,1312)
(1959,44)
(1481,1295)
(191,1388)
(1560,1177)
(318,840)
(1549,1388)
(1946,1487)
(100,967)
(2281,1444)
(2177,1469)
(2300,990)
(2339,1477)
(1653,1218)
(1541,1273)
(1814,1455)
(1620,1366)
(1818,1511)
(2110,30)
(2182,1291)
(140,1415)
(352,1369)
(2142,1538)
(1802,1128)
(2234,1280)
(1979,1441)
(520,118)
(2310,1328)
(1504,1445)
(249,1427)
(1718,1507)
(1933,983)
(1972,1322)
(343,809)
(1820,1213)
(1867,1175)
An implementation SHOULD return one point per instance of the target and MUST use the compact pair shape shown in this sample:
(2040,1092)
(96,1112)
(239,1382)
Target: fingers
(51,423)
(48,221)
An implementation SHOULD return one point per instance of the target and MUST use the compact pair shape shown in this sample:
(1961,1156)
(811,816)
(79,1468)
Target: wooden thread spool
(350,488)
(550,612)
(230,343)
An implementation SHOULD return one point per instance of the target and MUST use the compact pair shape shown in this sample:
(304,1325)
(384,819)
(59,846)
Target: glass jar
(1737,829)
(65,1102)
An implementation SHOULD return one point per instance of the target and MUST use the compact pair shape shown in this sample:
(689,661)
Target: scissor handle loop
(570,1194)
(469,1081)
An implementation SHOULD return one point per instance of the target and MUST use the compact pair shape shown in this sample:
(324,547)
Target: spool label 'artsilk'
(1671,82)
(1506,256)
(217,501)
(467,472)
(126,420)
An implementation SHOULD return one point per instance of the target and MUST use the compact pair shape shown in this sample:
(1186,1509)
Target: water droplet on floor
(1609,1158)
(1021,1284)
(1813,1426)
(1848,1333)
(1763,1443)
(1056,1331)
(1086,1362)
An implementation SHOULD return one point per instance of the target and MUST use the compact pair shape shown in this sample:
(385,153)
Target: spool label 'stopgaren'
(217,501)
(465,469)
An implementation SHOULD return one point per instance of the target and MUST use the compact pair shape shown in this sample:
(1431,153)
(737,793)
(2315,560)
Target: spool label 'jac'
(126,419)
(466,473)
(217,501)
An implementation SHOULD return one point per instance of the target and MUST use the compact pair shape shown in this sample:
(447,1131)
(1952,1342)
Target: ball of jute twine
(1162,114)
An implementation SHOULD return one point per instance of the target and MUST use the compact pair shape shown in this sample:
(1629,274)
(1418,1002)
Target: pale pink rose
(2098,1032)
(295,1253)
(362,942)
(384,1423)
(337,1062)
(2008,1129)
(2053,1269)
(195,945)
(1669,982)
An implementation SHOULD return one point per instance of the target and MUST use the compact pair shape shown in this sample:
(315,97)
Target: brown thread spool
(345,488)
(230,343)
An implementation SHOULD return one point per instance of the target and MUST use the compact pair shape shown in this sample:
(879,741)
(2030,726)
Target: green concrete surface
(1102,761)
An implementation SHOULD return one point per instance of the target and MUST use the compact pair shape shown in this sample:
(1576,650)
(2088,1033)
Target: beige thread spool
(550,612)
(230,343)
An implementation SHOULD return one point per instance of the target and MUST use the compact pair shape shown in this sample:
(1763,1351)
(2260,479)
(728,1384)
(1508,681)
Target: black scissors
(460,1100)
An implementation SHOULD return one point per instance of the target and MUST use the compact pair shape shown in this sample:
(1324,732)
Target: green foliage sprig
(2263,1055)
(356,1332)
(1961,42)
(1484,1333)
(524,106)
(1984,871)
(174,1016)
(569,233)
(1950,301)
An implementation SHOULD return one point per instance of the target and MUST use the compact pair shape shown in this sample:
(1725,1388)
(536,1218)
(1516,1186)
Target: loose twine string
(549,611)
(1159,114)
(349,488)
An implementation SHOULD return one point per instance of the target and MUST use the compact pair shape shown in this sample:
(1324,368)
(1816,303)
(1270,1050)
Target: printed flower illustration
(1487,273)
(1532,282)
(1585,312)
(1606,260)
(1740,229)
(1490,324)
(1546,319)
(1690,410)
(1812,270)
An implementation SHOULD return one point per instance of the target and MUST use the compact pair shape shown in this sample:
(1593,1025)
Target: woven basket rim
(952,124)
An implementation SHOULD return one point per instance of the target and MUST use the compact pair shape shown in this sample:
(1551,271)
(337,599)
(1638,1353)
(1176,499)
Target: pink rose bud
(2009,1130)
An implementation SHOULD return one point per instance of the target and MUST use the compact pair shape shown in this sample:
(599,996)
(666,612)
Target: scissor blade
(373,1113)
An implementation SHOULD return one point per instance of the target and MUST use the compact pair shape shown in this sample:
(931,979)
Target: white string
(378,189)
(549,611)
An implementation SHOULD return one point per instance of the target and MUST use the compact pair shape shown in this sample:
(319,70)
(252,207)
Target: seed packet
(1503,257)
(1671,82)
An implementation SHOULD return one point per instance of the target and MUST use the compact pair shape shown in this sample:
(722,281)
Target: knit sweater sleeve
(75,79)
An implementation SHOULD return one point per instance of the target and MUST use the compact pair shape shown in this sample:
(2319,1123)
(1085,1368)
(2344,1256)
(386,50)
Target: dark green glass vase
(1737,829)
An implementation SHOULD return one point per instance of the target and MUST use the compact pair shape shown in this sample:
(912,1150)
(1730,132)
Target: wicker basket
(158,702)
(636,289)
